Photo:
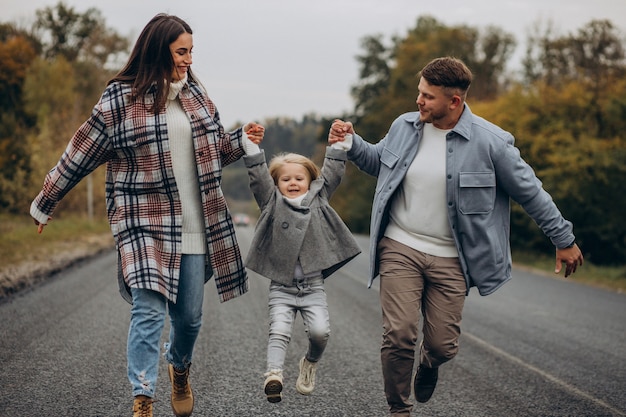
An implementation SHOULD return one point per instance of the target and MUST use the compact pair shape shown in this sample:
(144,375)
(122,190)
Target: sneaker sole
(273,390)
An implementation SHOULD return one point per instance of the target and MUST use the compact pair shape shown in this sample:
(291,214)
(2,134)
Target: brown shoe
(142,406)
(182,397)
(425,383)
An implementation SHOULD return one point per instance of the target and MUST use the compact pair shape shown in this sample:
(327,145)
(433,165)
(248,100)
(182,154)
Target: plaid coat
(142,199)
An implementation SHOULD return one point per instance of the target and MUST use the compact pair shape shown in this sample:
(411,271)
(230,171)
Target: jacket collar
(463,127)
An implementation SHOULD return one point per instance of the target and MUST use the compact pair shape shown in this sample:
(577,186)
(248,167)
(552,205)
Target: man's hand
(572,257)
(338,131)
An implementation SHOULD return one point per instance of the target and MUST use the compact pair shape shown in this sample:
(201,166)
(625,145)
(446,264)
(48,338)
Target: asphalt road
(537,347)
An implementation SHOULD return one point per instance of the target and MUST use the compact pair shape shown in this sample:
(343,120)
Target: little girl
(299,240)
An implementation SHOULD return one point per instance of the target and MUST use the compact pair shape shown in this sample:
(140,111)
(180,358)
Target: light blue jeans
(148,319)
(308,298)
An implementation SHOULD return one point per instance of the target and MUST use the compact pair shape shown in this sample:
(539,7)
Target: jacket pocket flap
(388,158)
(477,179)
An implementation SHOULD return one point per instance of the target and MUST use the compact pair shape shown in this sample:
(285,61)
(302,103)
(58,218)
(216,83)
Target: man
(440,222)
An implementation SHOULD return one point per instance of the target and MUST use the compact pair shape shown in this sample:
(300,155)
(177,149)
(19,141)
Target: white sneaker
(273,385)
(306,380)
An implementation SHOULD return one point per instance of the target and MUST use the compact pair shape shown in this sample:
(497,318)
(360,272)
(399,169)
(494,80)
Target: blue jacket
(484,171)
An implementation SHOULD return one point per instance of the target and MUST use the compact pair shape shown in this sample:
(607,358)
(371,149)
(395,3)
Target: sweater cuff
(250,147)
(255,159)
(345,145)
(38,215)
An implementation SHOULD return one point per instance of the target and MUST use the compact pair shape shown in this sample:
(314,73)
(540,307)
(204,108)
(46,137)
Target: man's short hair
(447,72)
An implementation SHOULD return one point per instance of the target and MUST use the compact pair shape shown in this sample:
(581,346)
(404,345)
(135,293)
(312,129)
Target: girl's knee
(319,334)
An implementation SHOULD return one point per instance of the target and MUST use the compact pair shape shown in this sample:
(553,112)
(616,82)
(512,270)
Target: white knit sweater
(184,166)
(419,214)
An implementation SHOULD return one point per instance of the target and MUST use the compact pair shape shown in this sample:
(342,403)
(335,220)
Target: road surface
(537,347)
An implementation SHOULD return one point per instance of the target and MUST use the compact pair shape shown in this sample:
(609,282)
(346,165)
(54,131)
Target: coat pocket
(388,158)
(477,192)
(388,161)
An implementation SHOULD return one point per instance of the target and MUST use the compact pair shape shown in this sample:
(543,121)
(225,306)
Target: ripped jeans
(308,298)
(148,319)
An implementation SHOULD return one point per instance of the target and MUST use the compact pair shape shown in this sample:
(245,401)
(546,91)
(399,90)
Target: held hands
(572,257)
(254,131)
(338,131)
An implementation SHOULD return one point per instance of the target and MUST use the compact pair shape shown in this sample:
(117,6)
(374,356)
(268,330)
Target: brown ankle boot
(142,406)
(182,397)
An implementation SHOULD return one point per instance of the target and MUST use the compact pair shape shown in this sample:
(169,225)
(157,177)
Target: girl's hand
(255,132)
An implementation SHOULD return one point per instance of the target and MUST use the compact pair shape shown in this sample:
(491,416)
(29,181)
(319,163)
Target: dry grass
(611,278)
(27,257)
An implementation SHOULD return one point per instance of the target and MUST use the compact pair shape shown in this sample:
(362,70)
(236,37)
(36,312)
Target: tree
(77,36)
(50,78)
(583,172)
(374,74)
(17,52)
(593,56)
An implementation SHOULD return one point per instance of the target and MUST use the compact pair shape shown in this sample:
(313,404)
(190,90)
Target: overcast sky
(270,58)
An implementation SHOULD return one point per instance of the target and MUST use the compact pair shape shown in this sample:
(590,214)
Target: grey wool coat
(313,233)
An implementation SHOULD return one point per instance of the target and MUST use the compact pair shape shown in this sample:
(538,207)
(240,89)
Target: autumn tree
(569,119)
(76,51)
(593,56)
(18,49)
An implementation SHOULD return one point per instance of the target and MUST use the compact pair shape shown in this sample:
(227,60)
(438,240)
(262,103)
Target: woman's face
(181,53)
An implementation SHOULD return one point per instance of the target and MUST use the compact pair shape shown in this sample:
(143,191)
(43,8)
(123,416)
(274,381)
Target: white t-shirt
(418,215)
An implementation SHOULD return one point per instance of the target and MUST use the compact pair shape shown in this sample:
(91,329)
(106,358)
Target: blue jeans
(148,319)
(309,298)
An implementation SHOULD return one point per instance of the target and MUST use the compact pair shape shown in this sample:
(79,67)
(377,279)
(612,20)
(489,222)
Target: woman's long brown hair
(151,63)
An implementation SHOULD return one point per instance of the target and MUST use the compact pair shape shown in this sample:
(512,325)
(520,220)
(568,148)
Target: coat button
(285,225)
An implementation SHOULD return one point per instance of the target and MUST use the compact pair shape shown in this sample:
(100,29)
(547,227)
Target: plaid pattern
(141,195)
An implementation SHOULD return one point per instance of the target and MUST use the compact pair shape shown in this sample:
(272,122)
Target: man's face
(433,103)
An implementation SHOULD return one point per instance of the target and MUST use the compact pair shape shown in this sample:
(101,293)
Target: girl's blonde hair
(281,159)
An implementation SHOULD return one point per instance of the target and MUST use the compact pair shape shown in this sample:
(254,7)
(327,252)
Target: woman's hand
(40,226)
(254,131)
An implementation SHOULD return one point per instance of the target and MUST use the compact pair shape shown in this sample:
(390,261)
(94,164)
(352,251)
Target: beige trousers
(410,282)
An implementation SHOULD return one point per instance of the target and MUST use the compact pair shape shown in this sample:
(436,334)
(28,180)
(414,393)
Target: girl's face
(293,180)
(181,53)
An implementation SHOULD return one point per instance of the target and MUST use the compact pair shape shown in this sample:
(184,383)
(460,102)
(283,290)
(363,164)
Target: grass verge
(21,243)
(27,257)
(611,278)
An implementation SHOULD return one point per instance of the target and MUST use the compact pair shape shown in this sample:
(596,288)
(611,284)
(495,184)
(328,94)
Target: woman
(161,138)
